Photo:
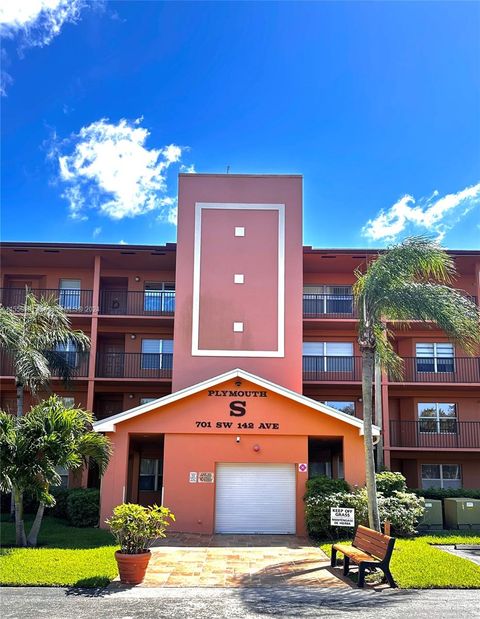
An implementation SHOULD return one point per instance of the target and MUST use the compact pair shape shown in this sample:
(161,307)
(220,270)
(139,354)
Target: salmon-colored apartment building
(225,367)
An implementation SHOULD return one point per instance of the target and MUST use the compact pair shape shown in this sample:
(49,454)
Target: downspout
(378,413)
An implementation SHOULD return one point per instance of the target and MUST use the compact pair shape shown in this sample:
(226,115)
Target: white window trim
(202,352)
(325,356)
(441,478)
(435,358)
(328,296)
(160,353)
(437,417)
(327,403)
(155,485)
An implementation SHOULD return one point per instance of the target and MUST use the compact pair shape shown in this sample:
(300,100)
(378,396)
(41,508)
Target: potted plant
(136,528)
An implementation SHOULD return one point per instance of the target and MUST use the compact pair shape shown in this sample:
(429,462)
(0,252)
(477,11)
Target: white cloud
(122,242)
(110,169)
(96,232)
(35,23)
(434,214)
(188,169)
(38,21)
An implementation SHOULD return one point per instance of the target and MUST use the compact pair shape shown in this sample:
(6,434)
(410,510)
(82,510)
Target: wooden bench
(369,549)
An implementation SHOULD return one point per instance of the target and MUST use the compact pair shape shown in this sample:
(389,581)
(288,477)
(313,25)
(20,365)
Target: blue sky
(377,104)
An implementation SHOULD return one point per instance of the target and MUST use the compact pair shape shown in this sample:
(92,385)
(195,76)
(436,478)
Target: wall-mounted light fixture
(238,439)
(238,383)
(137,278)
(256,448)
(130,395)
(133,336)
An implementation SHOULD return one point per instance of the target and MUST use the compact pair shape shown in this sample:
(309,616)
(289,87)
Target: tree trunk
(37,523)
(368,360)
(19,400)
(20,537)
(378,412)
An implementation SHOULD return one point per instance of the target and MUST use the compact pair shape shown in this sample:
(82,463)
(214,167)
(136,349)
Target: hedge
(447,493)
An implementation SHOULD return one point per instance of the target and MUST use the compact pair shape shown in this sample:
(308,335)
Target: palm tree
(410,280)
(32,337)
(32,447)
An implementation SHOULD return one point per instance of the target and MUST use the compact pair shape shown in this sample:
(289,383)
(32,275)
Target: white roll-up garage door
(255,498)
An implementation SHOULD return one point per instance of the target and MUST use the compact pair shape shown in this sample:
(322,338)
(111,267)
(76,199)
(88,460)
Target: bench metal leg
(361,575)
(333,561)
(389,577)
(346,565)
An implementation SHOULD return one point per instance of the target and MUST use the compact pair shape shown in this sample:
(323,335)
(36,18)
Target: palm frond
(456,315)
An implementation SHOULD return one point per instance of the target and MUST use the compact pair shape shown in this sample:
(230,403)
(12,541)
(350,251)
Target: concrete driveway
(187,560)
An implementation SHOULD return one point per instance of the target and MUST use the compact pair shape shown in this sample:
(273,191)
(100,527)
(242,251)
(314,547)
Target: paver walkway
(186,560)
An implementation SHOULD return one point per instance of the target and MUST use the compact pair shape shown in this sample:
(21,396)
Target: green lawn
(66,556)
(417,564)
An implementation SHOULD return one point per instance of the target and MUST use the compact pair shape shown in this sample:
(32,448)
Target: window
(328,356)
(441,476)
(324,299)
(68,401)
(146,400)
(343,406)
(150,477)
(438,417)
(159,297)
(69,352)
(63,472)
(157,354)
(70,294)
(435,357)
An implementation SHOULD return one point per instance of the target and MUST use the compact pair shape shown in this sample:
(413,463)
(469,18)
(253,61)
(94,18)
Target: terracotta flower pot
(132,568)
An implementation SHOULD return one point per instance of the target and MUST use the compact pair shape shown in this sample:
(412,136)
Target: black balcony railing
(328,306)
(134,365)
(332,369)
(72,300)
(137,303)
(440,370)
(455,434)
(76,364)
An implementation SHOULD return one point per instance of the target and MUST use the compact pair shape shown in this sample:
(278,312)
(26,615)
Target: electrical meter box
(462,513)
(433,516)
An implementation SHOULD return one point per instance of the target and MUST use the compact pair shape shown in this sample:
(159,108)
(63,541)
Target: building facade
(225,367)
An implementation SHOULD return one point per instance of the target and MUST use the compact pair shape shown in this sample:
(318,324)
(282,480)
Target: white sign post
(342,517)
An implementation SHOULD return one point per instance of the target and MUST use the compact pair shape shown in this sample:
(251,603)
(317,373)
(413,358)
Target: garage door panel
(255,498)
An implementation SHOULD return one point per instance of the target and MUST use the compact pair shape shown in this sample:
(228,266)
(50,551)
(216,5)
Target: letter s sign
(237,408)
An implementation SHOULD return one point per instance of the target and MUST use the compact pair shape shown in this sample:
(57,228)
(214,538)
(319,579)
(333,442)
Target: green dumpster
(433,516)
(462,513)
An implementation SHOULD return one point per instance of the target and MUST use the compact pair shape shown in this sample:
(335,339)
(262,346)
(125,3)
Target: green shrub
(388,483)
(322,485)
(317,514)
(136,527)
(59,510)
(83,507)
(403,510)
(447,493)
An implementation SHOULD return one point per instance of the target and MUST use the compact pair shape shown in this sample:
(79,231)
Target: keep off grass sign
(342,517)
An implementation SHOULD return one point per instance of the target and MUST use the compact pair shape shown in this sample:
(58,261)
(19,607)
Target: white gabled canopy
(108,424)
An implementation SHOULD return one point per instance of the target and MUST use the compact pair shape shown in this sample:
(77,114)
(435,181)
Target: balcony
(461,435)
(72,300)
(440,370)
(137,303)
(328,306)
(77,363)
(134,365)
(332,369)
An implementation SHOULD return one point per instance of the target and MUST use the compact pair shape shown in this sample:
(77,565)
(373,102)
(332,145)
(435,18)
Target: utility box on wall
(462,513)
(433,516)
